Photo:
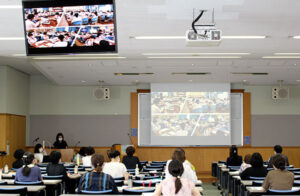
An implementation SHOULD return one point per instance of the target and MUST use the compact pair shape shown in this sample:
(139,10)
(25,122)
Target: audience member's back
(19,159)
(131,161)
(278,150)
(234,159)
(257,168)
(54,168)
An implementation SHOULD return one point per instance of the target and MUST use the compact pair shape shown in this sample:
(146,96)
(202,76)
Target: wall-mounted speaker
(101,94)
(280,92)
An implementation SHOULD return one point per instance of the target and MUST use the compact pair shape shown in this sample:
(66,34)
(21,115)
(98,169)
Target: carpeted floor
(210,190)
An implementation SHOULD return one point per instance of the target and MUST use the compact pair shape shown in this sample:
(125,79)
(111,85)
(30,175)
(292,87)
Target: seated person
(188,172)
(279,178)
(30,172)
(86,161)
(114,167)
(97,180)
(19,159)
(131,161)
(81,154)
(257,168)
(39,153)
(234,159)
(176,185)
(246,163)
(278,150)
(54,168)
(61,42)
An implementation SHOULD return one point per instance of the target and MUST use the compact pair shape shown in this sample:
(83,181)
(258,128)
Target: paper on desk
(147,194)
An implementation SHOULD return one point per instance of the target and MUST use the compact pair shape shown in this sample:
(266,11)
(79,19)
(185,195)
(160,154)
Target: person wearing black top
(60,143)
(131,161)
(257,168)
(234,159)
(19,156)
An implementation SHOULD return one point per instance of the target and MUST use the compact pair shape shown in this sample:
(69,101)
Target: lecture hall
(149,97)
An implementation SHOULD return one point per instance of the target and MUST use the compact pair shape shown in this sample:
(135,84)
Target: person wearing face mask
(39,153)
(60,143)
(114,167)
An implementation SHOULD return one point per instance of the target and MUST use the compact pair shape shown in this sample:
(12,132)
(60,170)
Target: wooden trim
(9,114)
(143,90)
(247,116)
(237,90)
(134,115)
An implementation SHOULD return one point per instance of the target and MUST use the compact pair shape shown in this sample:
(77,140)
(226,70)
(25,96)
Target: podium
(66,154)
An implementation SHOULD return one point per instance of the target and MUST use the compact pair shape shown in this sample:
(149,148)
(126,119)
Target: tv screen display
(62,27)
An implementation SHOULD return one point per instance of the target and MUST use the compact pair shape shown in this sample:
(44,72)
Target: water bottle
(77,160)
(130,184)
(76,169)
(137,171)
(6,169)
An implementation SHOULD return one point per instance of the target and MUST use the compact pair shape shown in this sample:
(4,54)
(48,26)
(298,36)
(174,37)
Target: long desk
(35,188)
(257,190)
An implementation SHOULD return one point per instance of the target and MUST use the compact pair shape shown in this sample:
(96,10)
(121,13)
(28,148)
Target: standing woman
(176,185)
(234,159)
(60,143)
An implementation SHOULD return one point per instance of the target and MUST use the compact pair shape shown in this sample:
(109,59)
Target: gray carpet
(210,190)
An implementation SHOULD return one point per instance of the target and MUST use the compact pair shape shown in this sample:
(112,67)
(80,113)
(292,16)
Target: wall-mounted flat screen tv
(64,26)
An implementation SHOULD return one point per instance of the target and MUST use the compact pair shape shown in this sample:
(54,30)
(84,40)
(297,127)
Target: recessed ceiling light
(281,57)
(194,57)
(10,6)
(297,80)
(83,81)
(11,38)
(190,80)
(244,80)
(287,53)
(196,54)
(17,55)
(78,58)
(223,37)
(296,37)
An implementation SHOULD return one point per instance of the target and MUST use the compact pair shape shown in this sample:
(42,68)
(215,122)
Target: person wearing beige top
(279,178)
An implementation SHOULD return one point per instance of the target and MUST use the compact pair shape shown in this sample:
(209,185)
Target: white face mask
(60,139)
(41,150)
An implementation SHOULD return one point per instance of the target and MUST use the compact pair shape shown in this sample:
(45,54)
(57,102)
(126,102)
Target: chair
(28,183)
(96,192)
(85,21)
(3,183)
(155,166)
(59,177)
(136,192)
(77,23)
(256,178)
(119,178)
(119,182)
(130,170)
(22,191)
(145,183)
(257,183)
(58,188)
(284,192)
(153,169)
(159,162)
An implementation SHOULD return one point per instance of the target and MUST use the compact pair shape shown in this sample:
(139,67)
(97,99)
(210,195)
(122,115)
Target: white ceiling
(277,19)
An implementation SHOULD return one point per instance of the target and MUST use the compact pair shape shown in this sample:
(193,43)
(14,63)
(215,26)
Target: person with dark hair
(278,150)
(86,160)
(39,153)
(61,42)
(29,22)
(131,161)
(114,167)
(19,159)
(177,184)
(97,180)
(279,178)
(30,172)
(60,143)
(246,163)
(257,168)
(189,171)
(54,168)
(234,159)
(80,154)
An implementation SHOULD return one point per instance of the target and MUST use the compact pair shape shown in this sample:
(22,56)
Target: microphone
(36,139)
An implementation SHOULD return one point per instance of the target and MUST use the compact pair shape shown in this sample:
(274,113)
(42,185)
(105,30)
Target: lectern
(66,154)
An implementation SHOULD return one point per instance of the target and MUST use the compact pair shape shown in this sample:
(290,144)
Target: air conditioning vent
(191,73)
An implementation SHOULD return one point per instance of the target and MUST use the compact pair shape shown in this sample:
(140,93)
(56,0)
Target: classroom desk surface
(235,173)
(46,182)
(250,182)
(35,188)
(120,188)
(9,194)
(259,189)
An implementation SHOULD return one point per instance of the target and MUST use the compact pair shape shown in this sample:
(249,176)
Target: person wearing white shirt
(188,172)
(61,42)
(114,167)
(29,22)
(86,161)
(39,153)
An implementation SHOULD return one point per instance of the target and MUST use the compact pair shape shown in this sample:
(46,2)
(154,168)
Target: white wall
(14,91)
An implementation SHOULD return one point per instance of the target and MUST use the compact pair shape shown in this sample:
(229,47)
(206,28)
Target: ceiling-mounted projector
(203,35)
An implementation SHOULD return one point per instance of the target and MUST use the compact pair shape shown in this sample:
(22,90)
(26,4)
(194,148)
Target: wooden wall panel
(247,116)
(134,115)
(14,134)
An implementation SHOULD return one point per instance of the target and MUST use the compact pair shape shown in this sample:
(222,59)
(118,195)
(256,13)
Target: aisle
(210,190)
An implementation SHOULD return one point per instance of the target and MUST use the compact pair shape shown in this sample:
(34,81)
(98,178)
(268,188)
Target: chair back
(256,178)
(58,177)
(147,183)
(137,192)
(96,192)
(28,183)
(22,191)
(3,183)
(284,192)
(257,183)
(119,178)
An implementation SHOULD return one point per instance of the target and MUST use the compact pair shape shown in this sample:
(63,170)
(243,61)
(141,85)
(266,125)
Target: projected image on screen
(190,113)
(64,29)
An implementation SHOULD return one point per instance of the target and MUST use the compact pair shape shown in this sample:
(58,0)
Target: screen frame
(67,50)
